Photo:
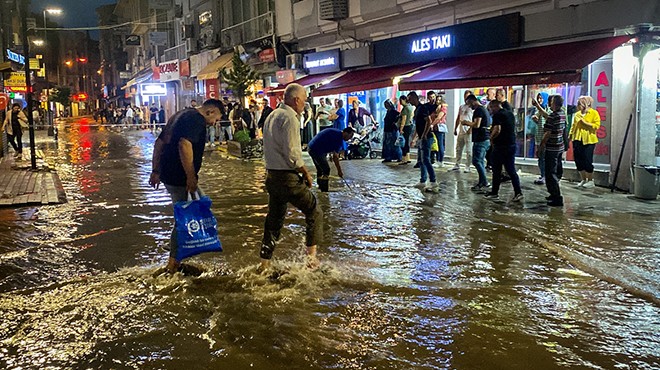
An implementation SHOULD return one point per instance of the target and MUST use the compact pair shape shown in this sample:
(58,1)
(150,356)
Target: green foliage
(242,136)
(240,77)
(62,95)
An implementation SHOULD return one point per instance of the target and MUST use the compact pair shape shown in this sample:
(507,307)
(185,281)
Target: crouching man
(328,141)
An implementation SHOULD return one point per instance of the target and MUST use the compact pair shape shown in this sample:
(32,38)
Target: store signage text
(602,89)
(322,62)
(15,57)
(153,89)
(431,43)
(168,71)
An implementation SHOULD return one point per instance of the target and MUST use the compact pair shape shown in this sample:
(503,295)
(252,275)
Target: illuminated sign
(322,62)
(430,43)
(153,89)
(169,70)
(15,57)
(452,41)
(16,79)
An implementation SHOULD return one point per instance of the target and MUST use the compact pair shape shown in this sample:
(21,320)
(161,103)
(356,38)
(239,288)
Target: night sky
(76,13)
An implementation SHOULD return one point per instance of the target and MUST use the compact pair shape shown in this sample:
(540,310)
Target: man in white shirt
(463,133)
(287,180)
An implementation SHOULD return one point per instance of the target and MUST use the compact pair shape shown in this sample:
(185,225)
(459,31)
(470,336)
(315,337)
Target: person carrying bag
(196,227)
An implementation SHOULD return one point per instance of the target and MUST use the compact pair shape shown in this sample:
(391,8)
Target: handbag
(196,227)
(400,141)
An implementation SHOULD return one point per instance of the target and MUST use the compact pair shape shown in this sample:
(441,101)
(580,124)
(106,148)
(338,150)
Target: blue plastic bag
(400,141)
(196,228)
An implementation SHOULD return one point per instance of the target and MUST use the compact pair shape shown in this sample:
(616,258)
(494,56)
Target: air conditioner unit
(190,45)
(333,10)
(294,61)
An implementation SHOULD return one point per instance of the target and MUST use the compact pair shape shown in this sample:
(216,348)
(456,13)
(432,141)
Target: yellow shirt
(585,133)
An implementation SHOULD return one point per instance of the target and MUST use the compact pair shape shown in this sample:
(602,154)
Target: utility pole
(28,84)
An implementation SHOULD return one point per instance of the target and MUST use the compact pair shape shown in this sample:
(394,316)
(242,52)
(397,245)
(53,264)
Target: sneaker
(432,188)
(417,165)
(456,168)
(581,184)
(480,188)
(467,170)
(539,181)
(518,197)
(589,184)
(491,195)
(436,165)
(421,185)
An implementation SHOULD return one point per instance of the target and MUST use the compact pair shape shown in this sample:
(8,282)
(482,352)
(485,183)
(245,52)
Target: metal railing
(250,30)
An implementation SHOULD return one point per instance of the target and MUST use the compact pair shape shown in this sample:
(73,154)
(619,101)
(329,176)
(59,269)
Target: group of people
(177,159)
(132,116)
(178,151)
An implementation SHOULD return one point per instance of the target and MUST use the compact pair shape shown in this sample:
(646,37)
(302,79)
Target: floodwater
(408,281)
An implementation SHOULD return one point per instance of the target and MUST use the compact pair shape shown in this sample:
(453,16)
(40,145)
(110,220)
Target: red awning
(365,79)
(561,63)
(307,81)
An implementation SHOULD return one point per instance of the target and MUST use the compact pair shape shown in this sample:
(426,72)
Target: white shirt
(465,114)
(282,149)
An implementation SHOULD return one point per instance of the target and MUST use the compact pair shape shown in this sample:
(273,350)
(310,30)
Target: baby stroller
(361,146)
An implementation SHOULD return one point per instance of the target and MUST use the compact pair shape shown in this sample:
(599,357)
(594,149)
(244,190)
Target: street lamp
(51,11)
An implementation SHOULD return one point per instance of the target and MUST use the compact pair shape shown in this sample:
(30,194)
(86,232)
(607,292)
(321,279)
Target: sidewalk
(21,186)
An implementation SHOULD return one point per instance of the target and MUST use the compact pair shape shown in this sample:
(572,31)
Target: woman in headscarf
(391,152)
(586,123)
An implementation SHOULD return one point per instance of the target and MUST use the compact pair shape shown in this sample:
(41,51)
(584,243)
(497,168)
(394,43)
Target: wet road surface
(409,280)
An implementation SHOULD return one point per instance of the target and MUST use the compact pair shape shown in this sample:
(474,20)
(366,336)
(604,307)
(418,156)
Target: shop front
(169,73)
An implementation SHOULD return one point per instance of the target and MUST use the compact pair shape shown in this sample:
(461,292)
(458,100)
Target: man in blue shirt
(339,119)
(330,140)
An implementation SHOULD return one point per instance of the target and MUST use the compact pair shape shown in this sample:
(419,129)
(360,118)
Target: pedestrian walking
(153,116)
(391,151)
(177,157)
(287,179)
(586,123)
(406,127)
(265,112)
(463,134)
(480,140)
(329,141)
(423,132)
(541,104)
(503,139)
(323,114)
(13,126)
(440,129)
(553,144)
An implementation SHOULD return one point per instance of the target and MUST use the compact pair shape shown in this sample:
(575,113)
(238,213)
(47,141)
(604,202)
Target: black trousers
(553,169)
(286,187)
(505,156)
(16,140)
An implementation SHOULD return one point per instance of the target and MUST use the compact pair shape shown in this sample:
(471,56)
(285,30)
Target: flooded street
(408,280)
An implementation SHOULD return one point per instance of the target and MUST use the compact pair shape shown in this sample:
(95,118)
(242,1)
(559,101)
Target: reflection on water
(409,281)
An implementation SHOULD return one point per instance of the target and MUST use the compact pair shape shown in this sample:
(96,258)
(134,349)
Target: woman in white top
(464,135)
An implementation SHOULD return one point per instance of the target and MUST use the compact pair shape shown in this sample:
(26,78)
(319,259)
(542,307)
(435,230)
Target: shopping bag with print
(196,227)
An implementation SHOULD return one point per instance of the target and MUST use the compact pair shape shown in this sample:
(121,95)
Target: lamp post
(53,11)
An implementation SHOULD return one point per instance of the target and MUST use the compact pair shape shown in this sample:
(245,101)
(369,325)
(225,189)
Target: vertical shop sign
(212,89)
(601,92)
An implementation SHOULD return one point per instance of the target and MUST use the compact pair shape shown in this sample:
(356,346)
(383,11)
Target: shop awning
(561,63)
(310,80)
(5,66)
(140,78)
(366,79)
(212,70)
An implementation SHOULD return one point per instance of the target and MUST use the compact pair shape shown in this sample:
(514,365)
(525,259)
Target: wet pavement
(409,280)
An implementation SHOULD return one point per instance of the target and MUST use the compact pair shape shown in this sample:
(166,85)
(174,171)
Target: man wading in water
(287,180)
(177,157)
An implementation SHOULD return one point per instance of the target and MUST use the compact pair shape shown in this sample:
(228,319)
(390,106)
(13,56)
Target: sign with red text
(4,101)
(169,71)
(212,88)
(601,92)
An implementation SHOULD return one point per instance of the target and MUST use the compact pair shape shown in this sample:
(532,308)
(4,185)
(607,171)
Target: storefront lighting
(38,42)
